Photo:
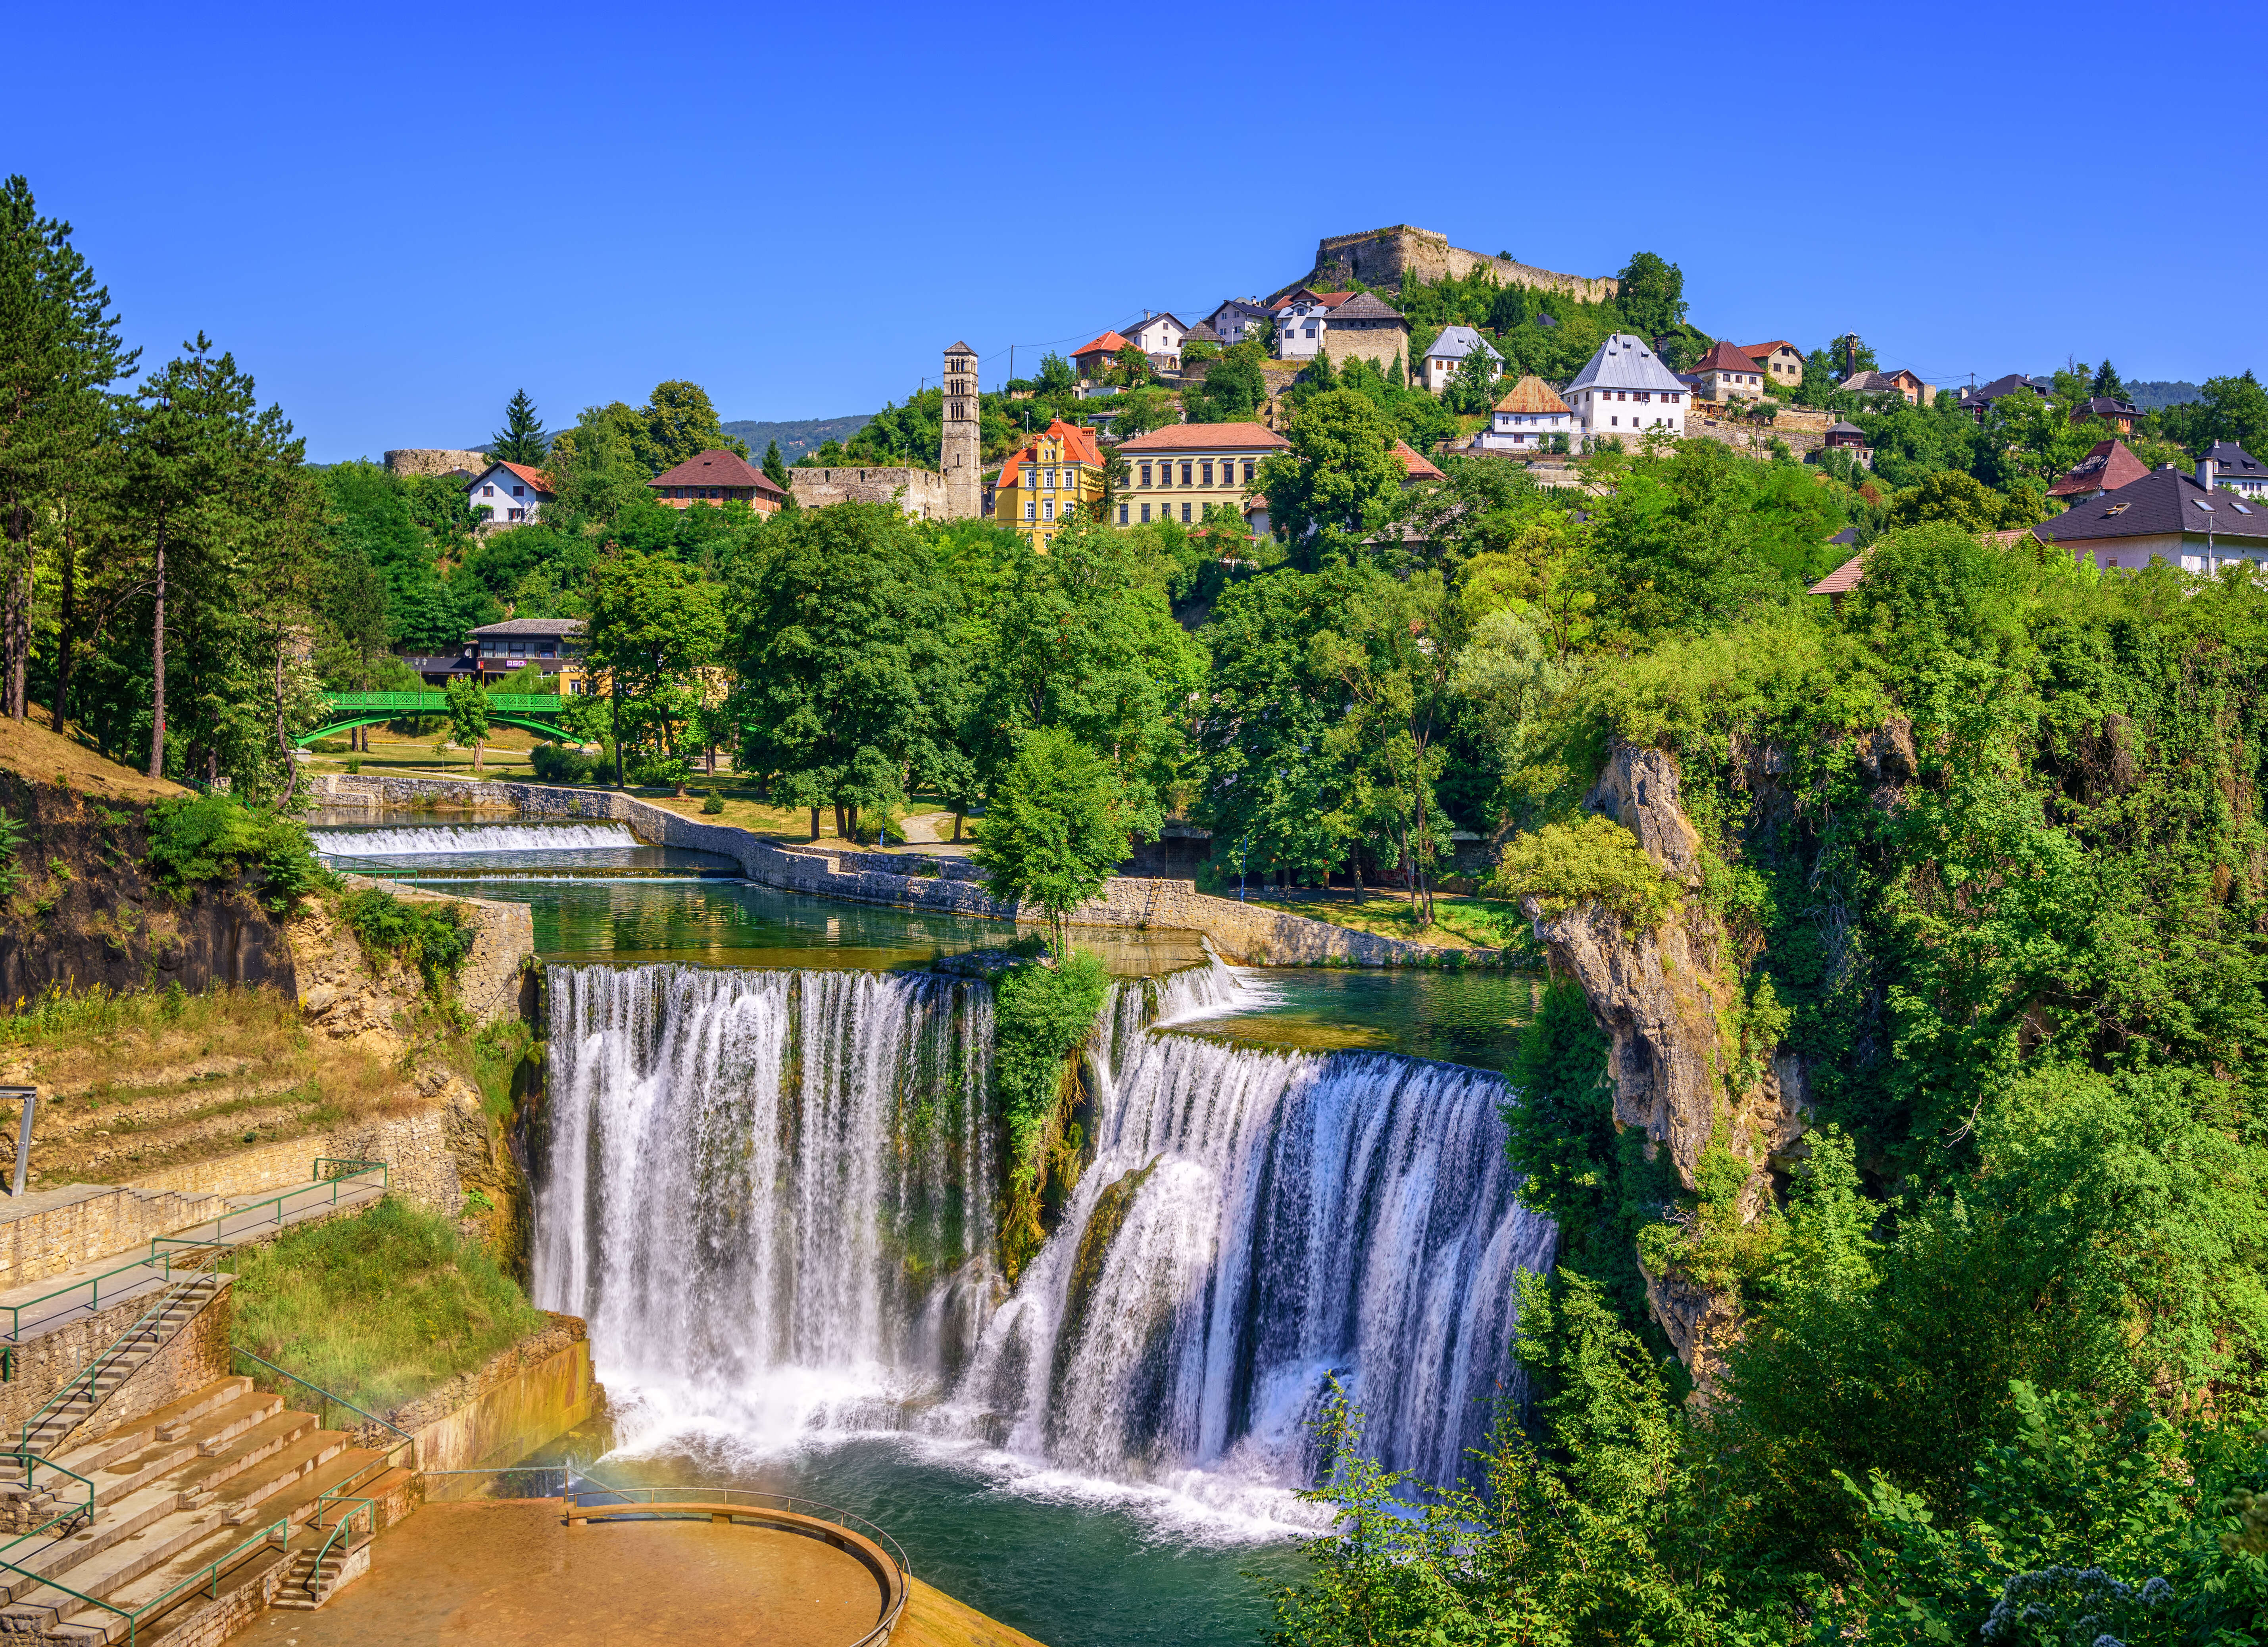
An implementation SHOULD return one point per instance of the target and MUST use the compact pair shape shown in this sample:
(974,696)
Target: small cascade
(443,838)
(773,1196)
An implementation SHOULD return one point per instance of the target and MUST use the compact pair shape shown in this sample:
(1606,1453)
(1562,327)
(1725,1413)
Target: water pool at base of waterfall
(1070,1563)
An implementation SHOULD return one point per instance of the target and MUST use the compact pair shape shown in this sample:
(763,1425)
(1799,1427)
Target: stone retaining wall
(1242,934)
(192,1358)
(63,1229)
(495,1416)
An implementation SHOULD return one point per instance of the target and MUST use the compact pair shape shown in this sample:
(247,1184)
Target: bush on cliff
(1041,1015)
(433,937)
(202,838)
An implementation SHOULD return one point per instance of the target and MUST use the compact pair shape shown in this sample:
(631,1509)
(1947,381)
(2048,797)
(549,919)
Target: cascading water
(435,838)
(772,1196)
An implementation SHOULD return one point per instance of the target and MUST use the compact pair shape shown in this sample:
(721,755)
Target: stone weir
(1242,933)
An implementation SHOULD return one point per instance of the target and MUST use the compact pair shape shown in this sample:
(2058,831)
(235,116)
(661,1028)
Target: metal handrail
(210,1572)
(814,1508)
(353,1169)
(345,1526)
(93,1370)
(25,1460)
(438,703)
(338,1400)
(220,1238)
(16,1311)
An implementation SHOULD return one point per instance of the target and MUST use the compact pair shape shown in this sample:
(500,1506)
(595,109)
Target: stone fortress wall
(1376,257)
(435,460)
(924,490)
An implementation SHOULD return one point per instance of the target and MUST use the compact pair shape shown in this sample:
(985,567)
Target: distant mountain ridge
(2149,397)
(796,438)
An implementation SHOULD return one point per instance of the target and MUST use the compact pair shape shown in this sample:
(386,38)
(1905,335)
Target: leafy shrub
(660,771)
(714,804)
(1040,1015)
(433,937)
(1592,860)
(11,836)
(217,837)
(564,763)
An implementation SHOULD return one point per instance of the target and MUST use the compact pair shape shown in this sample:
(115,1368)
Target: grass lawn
(1458,921)
(380,1308)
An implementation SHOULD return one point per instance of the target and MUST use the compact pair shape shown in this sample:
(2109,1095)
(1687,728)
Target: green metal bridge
(537,711)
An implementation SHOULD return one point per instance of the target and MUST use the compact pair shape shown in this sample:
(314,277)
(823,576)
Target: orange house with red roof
(1046,486)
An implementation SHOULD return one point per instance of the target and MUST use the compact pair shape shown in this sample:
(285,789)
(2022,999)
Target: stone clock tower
(961,459)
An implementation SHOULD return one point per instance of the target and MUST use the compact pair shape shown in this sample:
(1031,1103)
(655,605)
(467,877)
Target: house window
(1048,510)
(1248,471)
(488,491)
(1028,508)
(1121,514)
(1186,467)
(1145,514)
(1205,470)
(517,514)
(1145,481)
(1185,514)
(519,491)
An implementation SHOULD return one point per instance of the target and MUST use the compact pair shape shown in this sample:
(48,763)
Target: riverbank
(1245,934)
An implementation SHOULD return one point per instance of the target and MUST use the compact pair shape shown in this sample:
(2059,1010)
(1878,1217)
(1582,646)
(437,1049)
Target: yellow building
(1043,487)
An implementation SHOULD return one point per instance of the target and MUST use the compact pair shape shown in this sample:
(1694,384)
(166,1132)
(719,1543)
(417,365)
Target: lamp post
(31,1096)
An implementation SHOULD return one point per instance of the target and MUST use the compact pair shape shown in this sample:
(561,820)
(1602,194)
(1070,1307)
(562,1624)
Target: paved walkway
(508,1575)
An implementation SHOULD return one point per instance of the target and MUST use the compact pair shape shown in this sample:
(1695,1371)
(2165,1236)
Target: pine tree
(775,466)
(522,439)
(2107,381)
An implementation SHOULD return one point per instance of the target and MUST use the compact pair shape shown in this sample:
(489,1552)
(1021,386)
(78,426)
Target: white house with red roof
(508,494)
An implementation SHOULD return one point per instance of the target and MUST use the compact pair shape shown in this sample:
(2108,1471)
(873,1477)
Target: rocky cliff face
(84,912)
(1669,1002)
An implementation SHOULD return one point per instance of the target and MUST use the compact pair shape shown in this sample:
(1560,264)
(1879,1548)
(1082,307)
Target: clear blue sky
(396,216)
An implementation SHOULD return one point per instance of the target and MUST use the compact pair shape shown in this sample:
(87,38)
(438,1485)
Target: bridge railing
(438,703)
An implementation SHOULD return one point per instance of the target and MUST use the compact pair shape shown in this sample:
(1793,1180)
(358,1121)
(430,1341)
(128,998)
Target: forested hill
(798,436)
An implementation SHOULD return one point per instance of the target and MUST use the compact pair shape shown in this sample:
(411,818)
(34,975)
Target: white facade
(1159,336)
(1238,319)
(1447,356)
(1624,391)
(1524,431)
(503,497)
(1301,319)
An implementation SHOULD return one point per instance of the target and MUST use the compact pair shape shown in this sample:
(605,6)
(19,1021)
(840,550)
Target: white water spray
(473,838)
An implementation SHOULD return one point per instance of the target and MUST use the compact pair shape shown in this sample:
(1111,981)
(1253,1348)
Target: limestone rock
(1638,791)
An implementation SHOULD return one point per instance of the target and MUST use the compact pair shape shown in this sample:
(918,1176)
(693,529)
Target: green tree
(1234,390)
(776,467)
(60,352)
(2229,409)
(1054,827)
(842,640)
(1651,293)
(653,622)
(521,439)
(1056,380)
(1340,481)
(2107,381)
(469,716)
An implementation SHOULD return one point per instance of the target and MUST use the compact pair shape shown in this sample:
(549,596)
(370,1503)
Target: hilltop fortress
(1376,257)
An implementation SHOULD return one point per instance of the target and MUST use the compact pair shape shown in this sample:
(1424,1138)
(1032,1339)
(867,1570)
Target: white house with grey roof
(1445,357)
(1624,391)
(1239,318)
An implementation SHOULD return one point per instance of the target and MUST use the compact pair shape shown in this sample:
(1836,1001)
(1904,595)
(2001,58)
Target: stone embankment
(519,1400)
(1243,934)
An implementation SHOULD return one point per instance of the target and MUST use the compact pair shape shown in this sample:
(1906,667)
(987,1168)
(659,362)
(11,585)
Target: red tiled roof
(1725,357)
(718,467)
(2109,466)
(1418,468)
(1207,438)
(1078,444)
(535,478)
(1764,351)
(1108,343)
(1843,579)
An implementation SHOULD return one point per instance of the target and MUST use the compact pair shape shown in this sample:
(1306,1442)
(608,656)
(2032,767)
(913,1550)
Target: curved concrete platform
(509,1574)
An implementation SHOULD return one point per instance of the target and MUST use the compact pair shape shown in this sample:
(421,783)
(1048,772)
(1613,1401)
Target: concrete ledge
(1242,934)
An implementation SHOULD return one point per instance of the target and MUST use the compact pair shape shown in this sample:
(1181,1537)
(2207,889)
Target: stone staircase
(82,1397)
(182,1494)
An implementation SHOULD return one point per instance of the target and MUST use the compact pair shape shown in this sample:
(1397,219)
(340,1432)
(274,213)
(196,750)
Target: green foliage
(521,439)
(563,763)
(469,713)
(378,1308)
(1339,481)
(12,838)
(1041,1015)
(1054,829)
(2229,409)
(206,838)
(713,803)
(1592,860)
(434,937)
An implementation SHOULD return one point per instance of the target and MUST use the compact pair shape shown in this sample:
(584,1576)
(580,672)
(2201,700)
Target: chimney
(2205,473)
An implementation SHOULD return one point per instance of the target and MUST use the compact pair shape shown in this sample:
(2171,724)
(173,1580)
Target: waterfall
(772,1196)
(472,838)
